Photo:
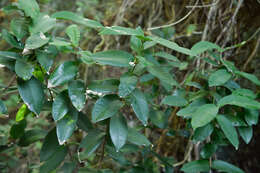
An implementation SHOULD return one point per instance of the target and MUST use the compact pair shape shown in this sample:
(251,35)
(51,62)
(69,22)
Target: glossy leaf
(204,115)
(219,77)
(139,105)
(45,60)
(116,58)
(127,84)
(74,34)
(118,131)
(251,116)
(84,123)
(77,94)
(106,107)
(42,24)
(23,110)
(174,101)
(3,109)
(30,7)
(63,74)
(246,133)
(225,167)
(32,94)
(137,138)
(24,69)
(60,106)
(196,166)
(201,133)
(10,39)
(106,86)
(229,131)
(36,40)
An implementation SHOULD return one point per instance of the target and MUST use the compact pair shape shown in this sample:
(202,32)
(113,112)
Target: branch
(203,6)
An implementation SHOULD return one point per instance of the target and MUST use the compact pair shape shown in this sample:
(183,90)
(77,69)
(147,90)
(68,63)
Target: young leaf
(42,24)
(63,73)
(118,131)
(225,167)
(174,101)
(36,40)
(119,30)
(246,133)
(196,166)
(23,69)
(32,94)
(204,115)
(219,77)
(240,101)
(229,131)
(139,105)
(60,106)
(203,46)
(116,58)
(77,95)
(30,7)
(127,84)
(67,15)
(23,110)
(74,34)
(137,138)
(66,126)
(105,107)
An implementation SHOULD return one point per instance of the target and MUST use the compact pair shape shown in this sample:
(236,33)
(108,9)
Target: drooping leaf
(31,136)
(240,101)
(201,133)
(251,116)
(202,46)
(32,94)
(208,150)
(119,30)
(229,131)
(42,24)
(139,105)
(67,15)
(225,167)
(77,95)
(137,138)
(204,115)
(55,160)
(60,106)
(246,133)
(63,73)
(23,69)
(74,34)
(127,85)
(66,126)
(163,75)
(19,28)
(219,77)
(196,166)
(30,7)
(118,131)
(3,109)
(36,40)
(167,56)
(249,76)
(10,39)
(116,58)
(106,107)
(174,101)
(23,110)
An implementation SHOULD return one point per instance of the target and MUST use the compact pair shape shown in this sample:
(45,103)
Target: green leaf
(55,160)
(119,30)
(208,150)
(63,74)
(204,115)
(219,77)
(240,101)
(250,77)
(191,108)
(116,58)
(42,24)
(118,131)
(9,55)
(196,166)
(106,107)
(91,142)
(225,167)
(30,7)
(163,75)
(3,109)
(24,69)
(36,40)
(84,123)
(31,136)
(171,45)
(202,46)
(246,133)
(22,112)
(74,34)
(229,131)
(32,94)
(127,84)
(19,28)
(167,56)
(201,133)
(45,60)
(139,105)
(149,44)
(59,42)
(50,145)
(68,167)
(159,118)
(60,106)
(106,86)
(244,92)
(136,44)
(17,130)
(66,126)
(67,15)
(174,101)
(10,39)
(77,95)
(137,138)
(251,116)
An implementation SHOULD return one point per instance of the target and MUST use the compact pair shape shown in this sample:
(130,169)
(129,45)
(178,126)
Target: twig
(10,83)
(175,23)
(186,156)
(203,6)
